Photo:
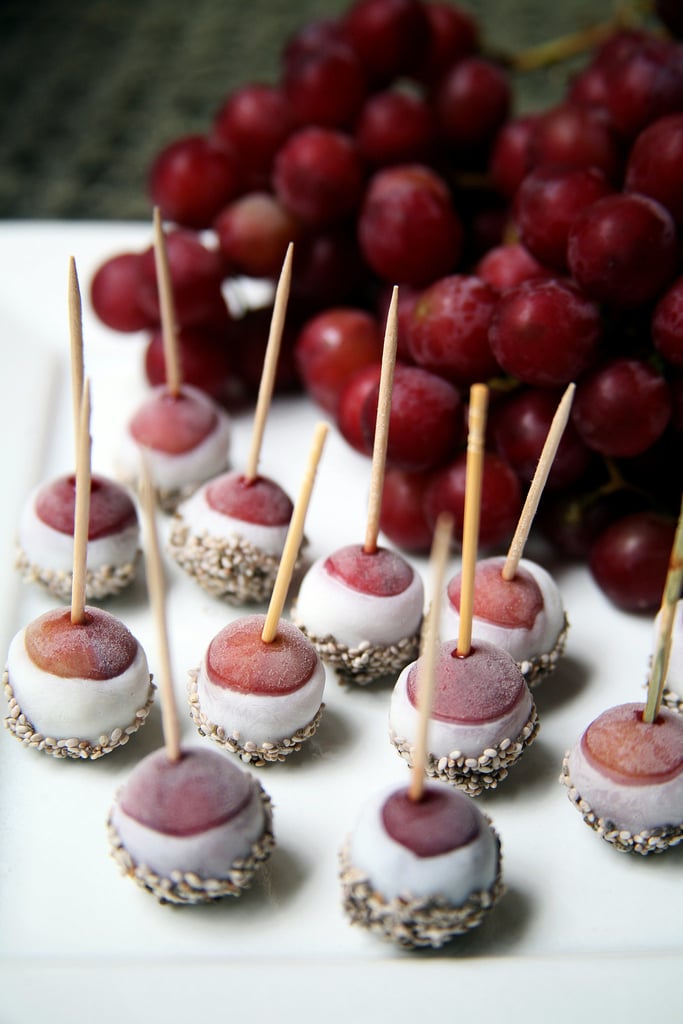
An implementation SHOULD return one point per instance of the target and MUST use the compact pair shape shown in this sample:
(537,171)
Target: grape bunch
(531,250)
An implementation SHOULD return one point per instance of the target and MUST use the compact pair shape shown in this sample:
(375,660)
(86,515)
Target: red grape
(545,332)
(396,127)
(249,339)
(448,330)
(196,277)
(318,175)
(623,250)
(453,34)
(325,85)
(519,425)
(629,560)
(192,179)
(114,293)
(571,520)
(254,122)
(574,136)
(425,423)
(501,499)
(408,229)
(403,518)
(350,408)
(253,234)
(546,205)
(331,347)
(328,270)
(472,102)
(655,164)
(205,361)
(507,265)
(407,299)
(389,36)
(667,324)
(510,159)
(621,407)
(644,83)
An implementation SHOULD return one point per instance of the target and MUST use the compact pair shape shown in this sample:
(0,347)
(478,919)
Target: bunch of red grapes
(530,251)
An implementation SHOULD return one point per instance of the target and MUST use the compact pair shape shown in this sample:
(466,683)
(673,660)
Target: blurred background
(90,90)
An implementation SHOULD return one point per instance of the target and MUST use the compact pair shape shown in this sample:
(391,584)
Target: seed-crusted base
(367,662)
(100,583)
(653,840)
(184,888)
(412,922)
(228,567)
(475,774)
(250,752)
(23,729)
(537,668)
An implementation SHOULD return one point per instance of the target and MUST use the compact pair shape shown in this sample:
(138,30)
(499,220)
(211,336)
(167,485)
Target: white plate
(581,927)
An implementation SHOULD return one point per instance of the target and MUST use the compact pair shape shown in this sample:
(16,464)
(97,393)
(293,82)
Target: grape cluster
(531,250)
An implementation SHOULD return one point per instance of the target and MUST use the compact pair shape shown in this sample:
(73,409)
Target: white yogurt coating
(51,549)
(200,518)
(327,606)
(86,709)
(260,718)
(470,739)
(209,854)
(395,870)
(171,472)
(522,644)
(632,808)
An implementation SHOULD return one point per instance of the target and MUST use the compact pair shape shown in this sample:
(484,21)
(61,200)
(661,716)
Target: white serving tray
(582,929)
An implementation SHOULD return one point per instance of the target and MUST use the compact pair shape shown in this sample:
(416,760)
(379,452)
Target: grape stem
(554,51)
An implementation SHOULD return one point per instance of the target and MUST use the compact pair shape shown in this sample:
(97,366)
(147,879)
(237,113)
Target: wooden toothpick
(157,593)
(660,659)
(470,534)
(379,448)
(169,331)
(82,509)
(267,382)
(76,344)
(441,543)
(546,459)
(294,537)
